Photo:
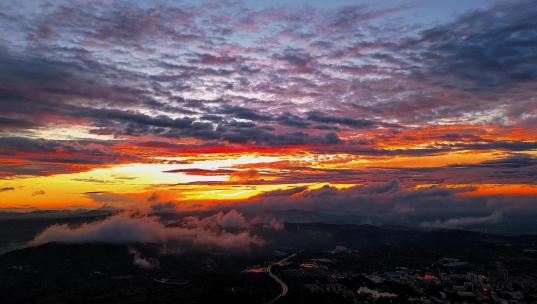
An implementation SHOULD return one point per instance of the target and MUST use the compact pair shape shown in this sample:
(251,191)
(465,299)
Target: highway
(285,289)
(170,282)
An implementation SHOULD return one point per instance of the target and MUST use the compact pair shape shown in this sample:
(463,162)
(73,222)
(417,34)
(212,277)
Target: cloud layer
(182,71)
(390,204)
(222,230)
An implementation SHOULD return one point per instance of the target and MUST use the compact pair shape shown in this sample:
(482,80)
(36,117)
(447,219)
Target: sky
(390,109)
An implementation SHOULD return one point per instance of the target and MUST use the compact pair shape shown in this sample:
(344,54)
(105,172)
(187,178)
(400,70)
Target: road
(170,282)
(285,289)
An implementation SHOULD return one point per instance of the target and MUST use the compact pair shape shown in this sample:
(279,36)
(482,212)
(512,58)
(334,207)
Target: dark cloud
(263,137)
(490,50)
(35,86)
(212,117)
(38,192)
(13,145)
(390,203)
(245,113)
(33,169)
(512,162)
(162,207)
(503,145)
(351,122)
(45,157)
(202,171)
(67,160)
(293,120)
(6,122)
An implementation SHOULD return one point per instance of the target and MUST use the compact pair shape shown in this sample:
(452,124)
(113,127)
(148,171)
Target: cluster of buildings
(447,281)
(457,283)
(333,288)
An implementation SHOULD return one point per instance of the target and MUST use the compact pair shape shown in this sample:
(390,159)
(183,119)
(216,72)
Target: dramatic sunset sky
(422,105)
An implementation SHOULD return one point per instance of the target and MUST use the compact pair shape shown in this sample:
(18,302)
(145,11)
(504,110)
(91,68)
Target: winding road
(285,289)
